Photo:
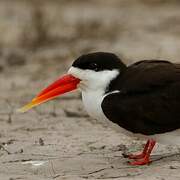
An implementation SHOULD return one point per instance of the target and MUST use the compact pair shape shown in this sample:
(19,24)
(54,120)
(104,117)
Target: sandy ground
(38,42)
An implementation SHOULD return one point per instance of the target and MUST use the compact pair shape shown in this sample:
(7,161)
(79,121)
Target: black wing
(149,98)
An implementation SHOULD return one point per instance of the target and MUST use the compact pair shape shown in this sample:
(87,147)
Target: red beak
(65,84)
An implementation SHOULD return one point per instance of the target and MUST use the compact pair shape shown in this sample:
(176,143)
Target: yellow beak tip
(22,110)
(27,107)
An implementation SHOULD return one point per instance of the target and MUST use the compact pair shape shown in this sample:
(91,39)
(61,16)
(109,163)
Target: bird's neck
(92,101)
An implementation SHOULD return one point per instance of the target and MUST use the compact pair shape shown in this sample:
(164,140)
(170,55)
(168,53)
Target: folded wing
(149,98)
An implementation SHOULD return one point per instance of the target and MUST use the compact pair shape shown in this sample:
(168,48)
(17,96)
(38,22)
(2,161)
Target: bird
(141,99)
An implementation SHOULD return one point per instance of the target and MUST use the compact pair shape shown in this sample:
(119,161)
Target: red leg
(146,158)
(142,154)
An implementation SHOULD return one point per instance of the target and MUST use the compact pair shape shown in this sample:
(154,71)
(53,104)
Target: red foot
(140,162)
(144,157)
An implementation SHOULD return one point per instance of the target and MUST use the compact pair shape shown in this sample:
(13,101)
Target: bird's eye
(93,66)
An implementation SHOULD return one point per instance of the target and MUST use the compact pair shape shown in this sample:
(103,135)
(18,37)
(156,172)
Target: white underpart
(93,85)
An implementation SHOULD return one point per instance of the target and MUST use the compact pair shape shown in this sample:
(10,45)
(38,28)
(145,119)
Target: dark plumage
(149,98)
(99,61)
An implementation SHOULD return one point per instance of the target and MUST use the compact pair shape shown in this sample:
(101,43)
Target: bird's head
(88,72)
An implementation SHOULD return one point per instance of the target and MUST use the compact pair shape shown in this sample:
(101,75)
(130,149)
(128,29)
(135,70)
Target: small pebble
(41,142)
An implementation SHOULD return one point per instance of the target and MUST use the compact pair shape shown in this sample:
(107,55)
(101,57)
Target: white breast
(92,101)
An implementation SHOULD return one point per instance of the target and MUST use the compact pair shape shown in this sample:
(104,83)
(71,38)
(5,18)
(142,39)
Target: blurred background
(39,39)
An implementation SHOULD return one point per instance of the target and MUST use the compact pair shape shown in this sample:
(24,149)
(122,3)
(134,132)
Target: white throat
(93,86)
